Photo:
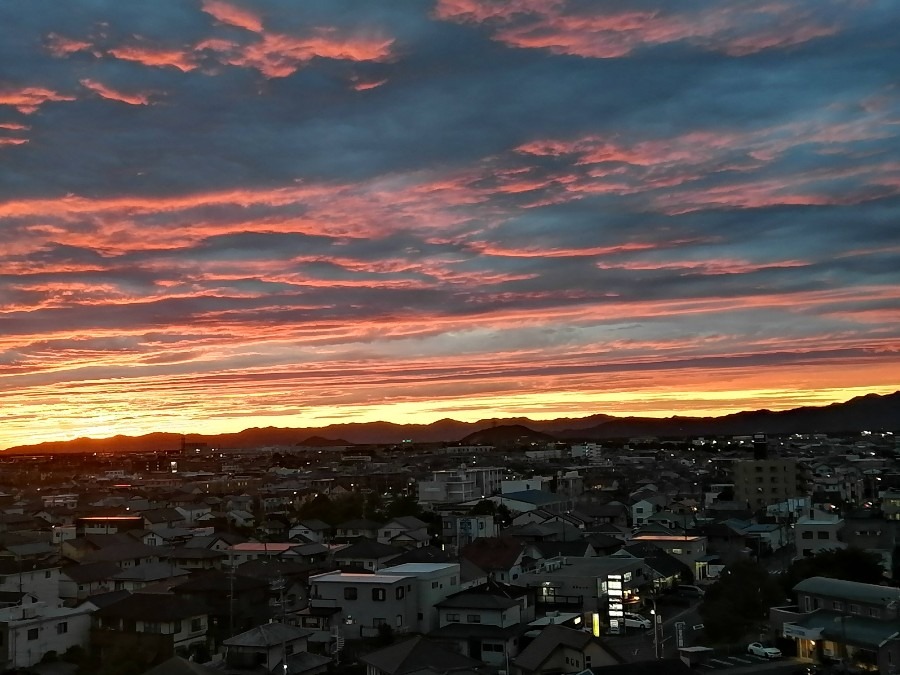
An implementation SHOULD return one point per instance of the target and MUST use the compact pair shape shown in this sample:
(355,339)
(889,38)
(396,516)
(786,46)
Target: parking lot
(739,661)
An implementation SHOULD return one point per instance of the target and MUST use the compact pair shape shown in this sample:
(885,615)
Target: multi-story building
(402,597)
(39,579)
(460,485)
(843,620)
(761,482)
(818,531)
(31,629)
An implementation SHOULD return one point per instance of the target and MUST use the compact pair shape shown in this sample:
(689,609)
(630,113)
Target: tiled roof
(493,553)
(417,654)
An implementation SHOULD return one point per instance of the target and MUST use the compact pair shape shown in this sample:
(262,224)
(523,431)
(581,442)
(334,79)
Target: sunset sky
(216,215)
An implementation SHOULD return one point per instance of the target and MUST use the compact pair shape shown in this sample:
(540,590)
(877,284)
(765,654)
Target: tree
(849,564)
(738,601)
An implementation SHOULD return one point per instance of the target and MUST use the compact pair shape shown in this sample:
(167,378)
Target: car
(688,591)
(636,621)
(757,649)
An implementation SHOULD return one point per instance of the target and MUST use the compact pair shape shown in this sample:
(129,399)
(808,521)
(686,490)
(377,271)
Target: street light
(657,619)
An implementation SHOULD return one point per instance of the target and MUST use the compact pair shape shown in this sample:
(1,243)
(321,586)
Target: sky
(222,214)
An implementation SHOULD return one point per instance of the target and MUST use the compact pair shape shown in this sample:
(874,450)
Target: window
(806,535)
(453,618)
(48,574)
(378,622)
(152,627)
(854,609)
(178,626)
(473,618)
(434,584)
(399,592)
(837,605)
(873,611)
(378,594)
(350,593)
(824,535)
(677,551)
(32,633)
(399,621)
(196,625)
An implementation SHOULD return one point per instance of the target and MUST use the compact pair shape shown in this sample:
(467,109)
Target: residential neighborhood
(535,560)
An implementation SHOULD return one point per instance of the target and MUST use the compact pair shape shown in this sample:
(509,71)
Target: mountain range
(870,412)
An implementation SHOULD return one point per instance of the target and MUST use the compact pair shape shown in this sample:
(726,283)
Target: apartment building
(818,531)
(848,621)
(402,597)
(761,482)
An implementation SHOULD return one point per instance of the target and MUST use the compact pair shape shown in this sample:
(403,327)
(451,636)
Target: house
(817,531)
(135,578)
(365,602)
(157,518)
(500,557)
(179,666)
(29,631)
(529,500)
(366,554)
(645,506)
(232,601)
(581,583)
(487,622)
(41,579)
(420,655)
(457,530)
(194,514)
(359,527)
(664,571)
(402,597)
(267,645)
(405,532)
(561,650)
(689,549)
(312,530)
(125,555)
(842,620)
(78,582)
(154,625)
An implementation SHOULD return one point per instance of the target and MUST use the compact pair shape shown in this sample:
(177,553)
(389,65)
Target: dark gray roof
(467,600)
(179,666)
(267,635)
(417,654)
(153,607)
(536,497)
(849,590)
(365,549)
(85,574)
(535,654)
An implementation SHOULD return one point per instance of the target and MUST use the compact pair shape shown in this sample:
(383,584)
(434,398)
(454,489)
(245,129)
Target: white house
(29,631)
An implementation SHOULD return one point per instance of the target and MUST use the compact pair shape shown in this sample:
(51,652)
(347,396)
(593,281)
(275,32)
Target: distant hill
(872,412)
(319,442)
(505,435)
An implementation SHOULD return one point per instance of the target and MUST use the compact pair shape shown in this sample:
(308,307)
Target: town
(516,555)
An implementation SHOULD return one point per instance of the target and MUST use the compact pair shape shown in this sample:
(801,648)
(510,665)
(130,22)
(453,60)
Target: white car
(757,649)
(636,621)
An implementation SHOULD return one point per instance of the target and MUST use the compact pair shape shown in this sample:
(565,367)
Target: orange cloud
(561,28)
(233,15)
(60,46)
(27,100)
(156,57)
(114,95)
(360,85)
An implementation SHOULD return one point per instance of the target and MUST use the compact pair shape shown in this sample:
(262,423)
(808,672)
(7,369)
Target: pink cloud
(27,100)
(13,141)
(156,57)
(114,95)
(60,46)
(562,28)
(362,85)
(233,15)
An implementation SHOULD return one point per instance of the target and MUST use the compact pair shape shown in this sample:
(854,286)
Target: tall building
(760,482)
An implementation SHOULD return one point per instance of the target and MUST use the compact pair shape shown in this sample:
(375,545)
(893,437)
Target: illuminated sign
(615,608)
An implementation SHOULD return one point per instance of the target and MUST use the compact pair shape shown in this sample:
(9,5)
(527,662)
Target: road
(637,645)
